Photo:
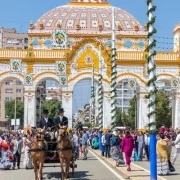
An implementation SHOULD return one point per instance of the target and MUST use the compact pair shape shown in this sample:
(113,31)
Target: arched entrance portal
(45,87)
(124,95)
(11,99)
(81,105)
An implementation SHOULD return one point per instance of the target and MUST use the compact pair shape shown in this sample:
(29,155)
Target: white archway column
(29,109)
(67,96)
(142,110)
(176,110)
(107,109)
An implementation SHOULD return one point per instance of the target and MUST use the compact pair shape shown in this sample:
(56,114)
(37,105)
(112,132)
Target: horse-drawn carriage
(50,146)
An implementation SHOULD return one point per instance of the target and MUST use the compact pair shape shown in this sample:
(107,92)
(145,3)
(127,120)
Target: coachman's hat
(45,111)
(61,110)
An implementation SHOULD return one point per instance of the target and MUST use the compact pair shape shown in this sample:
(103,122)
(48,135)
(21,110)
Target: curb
(138,172)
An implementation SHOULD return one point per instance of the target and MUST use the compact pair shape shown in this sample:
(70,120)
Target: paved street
(173,176)
(92,169)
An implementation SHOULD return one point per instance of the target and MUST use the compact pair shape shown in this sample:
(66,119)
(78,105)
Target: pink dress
(127,146)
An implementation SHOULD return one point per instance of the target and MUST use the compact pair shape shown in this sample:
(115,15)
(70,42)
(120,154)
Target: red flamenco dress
(6,160)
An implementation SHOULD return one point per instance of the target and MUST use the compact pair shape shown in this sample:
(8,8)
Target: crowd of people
(122,146)
(12,145)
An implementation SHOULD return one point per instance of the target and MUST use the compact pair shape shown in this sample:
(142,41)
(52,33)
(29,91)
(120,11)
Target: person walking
(162,156)
(136,134)
(27,157)
(147,143)
(95,143)
(103,141)
(108,142)
(84,145)
(76,144)
(115,149)
(17,150)
(0,144)
(140,140)
(177,146)
(80,145)
(169,150)
(127,146)
(6,157)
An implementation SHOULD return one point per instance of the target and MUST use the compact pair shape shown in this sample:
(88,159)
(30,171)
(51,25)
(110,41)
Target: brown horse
(65,151)
(37,152)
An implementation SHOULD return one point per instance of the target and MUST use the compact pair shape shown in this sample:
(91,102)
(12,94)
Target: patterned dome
(86,16)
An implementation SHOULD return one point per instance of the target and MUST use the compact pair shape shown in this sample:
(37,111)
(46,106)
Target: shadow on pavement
(172,174)
(78,175)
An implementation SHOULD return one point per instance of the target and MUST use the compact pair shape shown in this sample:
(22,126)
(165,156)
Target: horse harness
(68,147)
(39,147)
(44,149)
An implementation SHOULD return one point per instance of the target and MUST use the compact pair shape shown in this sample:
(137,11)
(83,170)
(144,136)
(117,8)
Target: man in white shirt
(61,119)
(103,141)
(147,143)
(46,121)
(76,143)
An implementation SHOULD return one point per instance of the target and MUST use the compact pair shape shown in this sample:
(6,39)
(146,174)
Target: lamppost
(152,87)
(138,97)
(39,96)
(15,104)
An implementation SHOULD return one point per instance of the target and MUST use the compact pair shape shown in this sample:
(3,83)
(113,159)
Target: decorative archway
(13,77)
(81,48)
(141,102)
(7,75)
(141,81)
(86,75)
(47,75)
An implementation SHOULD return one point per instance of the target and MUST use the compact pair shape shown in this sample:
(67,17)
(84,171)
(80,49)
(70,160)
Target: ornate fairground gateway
(68,40)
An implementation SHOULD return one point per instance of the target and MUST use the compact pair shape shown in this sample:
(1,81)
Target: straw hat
(114,133)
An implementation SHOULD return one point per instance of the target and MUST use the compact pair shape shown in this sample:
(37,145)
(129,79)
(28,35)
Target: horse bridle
(68,147)
(61,135)
(33,142)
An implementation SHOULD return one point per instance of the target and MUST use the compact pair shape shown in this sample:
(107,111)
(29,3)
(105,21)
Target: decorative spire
(58,25)
(136,27)
(31,25)
(119,26)
(100,26)
(92,1)
(76,2)
(41,25)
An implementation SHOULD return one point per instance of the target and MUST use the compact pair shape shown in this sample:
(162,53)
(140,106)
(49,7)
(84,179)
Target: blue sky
(18,13)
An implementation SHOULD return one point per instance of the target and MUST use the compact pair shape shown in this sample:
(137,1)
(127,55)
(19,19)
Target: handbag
(135,156)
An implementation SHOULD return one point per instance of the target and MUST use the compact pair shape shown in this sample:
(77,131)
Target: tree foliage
(163,109)
(120,119)
(132,113)
(89,125)
(10,110)
(52,106)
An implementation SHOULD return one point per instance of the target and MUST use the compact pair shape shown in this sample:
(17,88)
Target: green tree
(163,109)
(52,106)
(119,119)
(10,110)
(132,113)
(87,125)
